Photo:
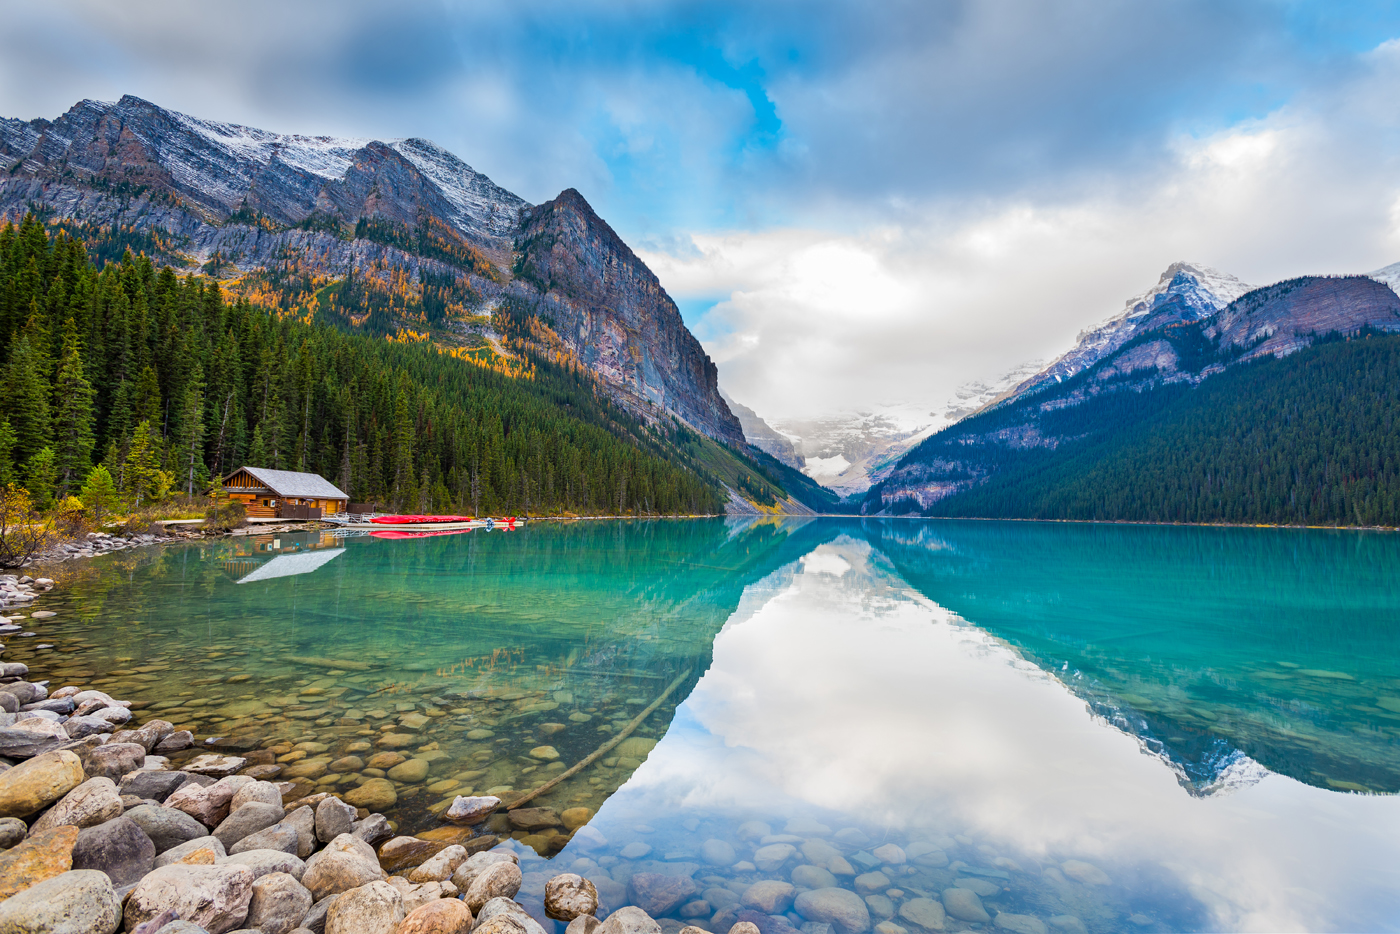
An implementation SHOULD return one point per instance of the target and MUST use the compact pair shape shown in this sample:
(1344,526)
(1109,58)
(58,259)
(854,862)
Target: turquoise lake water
(1099,728)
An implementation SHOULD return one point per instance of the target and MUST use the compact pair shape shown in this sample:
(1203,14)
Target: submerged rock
(965,905)
(841,908)
(657,893)
(923,913)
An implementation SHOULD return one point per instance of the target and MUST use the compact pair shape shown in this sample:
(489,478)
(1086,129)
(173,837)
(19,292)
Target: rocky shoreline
(99,833)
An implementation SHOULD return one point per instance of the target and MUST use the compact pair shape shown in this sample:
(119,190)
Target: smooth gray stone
(118,847)
(78,727)
(248,819)
(12,831)
(113,760)
(279,903)
(263,862)
(373,829)
(167,827)
(333,818)
(155,785)
(25,744)
(280,837)
(315,920)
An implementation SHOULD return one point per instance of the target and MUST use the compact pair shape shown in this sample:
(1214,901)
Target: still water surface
(1095,728)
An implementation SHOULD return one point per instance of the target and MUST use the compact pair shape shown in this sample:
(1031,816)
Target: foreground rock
(118,848)
(40,857)
(498,880)
(214,897)
(568,896)
(629,920)
(444,916)
(79,902)
(346,863)
(33,785)
(373,908)
(278,904)
(93,802)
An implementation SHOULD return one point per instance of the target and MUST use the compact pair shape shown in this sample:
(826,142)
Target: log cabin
(284,494)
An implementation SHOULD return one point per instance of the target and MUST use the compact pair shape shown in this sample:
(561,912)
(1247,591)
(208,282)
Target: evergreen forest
(160,385)
(1312,438)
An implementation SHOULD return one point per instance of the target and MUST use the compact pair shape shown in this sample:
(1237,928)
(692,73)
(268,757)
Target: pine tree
(7,453)
(42,474)
(190,444)
(72,428)
(99,494)
(403,446)
(146,405)
(24,398)
(141,473)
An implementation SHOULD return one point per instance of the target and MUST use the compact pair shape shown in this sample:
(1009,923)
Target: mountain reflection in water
(979,693)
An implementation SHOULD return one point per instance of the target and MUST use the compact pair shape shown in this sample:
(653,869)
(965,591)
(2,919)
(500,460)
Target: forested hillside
(1312,438)
(168,385)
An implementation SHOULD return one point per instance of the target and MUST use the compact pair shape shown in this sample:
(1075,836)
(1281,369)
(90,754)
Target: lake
(964,725)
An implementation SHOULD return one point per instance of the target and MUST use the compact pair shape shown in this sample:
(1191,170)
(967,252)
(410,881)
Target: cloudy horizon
(853,206)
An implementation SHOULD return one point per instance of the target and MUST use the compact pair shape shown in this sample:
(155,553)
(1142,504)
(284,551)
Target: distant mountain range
(1130,424)
(428,244)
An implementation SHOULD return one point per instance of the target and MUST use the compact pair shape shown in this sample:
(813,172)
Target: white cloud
(820,319)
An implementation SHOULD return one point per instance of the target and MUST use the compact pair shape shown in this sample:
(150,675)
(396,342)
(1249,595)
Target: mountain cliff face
(402,217)
(1125,386)
(611,312)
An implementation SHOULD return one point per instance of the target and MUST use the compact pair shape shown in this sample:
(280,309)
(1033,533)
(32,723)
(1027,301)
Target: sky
(855,205)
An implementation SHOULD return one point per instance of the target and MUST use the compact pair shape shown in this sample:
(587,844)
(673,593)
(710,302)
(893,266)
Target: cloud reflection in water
(840,692)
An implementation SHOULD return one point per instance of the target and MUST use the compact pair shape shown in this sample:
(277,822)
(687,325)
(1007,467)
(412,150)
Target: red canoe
(418,520)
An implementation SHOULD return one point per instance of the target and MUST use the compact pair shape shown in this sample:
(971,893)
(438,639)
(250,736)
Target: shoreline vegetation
(130,387)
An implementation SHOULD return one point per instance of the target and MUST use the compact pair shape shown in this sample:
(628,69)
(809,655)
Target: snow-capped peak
(1196,291)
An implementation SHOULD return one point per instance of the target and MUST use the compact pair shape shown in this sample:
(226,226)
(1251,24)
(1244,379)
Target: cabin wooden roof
(292,483)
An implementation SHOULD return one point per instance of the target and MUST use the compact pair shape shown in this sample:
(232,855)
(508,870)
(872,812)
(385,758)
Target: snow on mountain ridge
(326,156)
(475,196)
(1196,290)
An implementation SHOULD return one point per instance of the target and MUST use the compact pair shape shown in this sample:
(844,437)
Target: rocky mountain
(1173,348)
(845,451)
(1184,292)
(427,240)
(848,452)
(761,435)
(610,311)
